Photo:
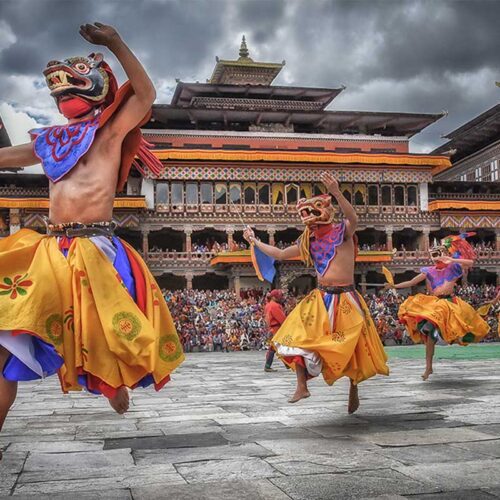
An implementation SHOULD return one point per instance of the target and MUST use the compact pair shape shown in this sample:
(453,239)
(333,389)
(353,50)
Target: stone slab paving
(222,429)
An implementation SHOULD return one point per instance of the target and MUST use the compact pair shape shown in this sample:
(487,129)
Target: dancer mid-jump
(330,331)
(441,314)
(79,300)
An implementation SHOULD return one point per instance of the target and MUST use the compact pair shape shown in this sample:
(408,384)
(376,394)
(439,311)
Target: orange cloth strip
(463,204)
(299,156)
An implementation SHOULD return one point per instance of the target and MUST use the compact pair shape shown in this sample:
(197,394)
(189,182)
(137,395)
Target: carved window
(249,193)
(235,193)
(360,194)
(305,190)
(177,193)
(412,196)
(318,189)
(206,193)
(292,194)
(264,194)
(495,171)
(386,196)
(162,193)
(220,193)
(278,193)
(191,193)
(399,196)
(347,191)
(373,195)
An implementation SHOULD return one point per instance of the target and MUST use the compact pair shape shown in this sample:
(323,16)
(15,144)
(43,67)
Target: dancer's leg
(429,354)
(8,390)
(301,392)
(353,398)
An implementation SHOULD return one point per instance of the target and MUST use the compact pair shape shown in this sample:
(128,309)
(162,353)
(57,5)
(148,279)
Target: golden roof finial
(243,48)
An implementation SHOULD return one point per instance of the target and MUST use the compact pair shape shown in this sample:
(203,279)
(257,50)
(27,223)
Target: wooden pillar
(189,281)
(189,245)
(425,239)
(230,241)
(145,243)
(388,235)
(271,233)
(498,240)
(363,283)
(237,285)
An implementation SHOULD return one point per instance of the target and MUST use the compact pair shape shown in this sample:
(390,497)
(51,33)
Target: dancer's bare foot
(120,402)
(426,374)
(299,394)
(353,404)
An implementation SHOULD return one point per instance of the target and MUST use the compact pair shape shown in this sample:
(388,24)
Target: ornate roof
(244,70)
(472,136)
(296,120)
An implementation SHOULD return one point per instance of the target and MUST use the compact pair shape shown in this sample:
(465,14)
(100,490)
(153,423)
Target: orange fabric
(299,156)
(464,204)
(132,140)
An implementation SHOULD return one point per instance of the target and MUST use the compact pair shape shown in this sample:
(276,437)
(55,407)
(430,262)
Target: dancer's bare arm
(18,156)
(139,104)
(407,284)
(347,209)
(276,253)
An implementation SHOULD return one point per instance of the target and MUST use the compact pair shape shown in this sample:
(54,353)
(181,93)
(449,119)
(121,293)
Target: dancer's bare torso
(446,288)
(340,272)
(86,194)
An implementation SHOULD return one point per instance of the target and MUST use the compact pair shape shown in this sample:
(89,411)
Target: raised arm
(347,209)
(407,284)
(17,156)
(139,104)
(276,253)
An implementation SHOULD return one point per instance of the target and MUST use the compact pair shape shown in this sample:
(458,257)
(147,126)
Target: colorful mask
(80,84)
(316,211)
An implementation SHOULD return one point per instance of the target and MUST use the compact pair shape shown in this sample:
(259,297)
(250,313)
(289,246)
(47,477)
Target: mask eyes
(82,67)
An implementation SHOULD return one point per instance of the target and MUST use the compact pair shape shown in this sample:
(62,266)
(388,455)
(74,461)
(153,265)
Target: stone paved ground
(223,430)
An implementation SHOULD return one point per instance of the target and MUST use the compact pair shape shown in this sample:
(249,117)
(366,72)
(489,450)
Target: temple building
(240,150)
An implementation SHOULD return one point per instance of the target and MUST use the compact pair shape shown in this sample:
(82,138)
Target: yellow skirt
(454,319)
(78,304)
(340,331)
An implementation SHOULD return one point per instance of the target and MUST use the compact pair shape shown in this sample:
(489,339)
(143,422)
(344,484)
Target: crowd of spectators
(219,320)
(222,321)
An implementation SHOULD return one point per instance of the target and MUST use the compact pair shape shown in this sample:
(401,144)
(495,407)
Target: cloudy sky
(392,55)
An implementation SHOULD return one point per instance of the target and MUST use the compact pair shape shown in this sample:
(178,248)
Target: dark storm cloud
(404,55)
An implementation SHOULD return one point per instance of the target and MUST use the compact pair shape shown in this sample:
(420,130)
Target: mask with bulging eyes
(438,251)
(80,84)
(316,211)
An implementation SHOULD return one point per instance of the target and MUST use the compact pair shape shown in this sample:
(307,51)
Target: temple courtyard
(222,429)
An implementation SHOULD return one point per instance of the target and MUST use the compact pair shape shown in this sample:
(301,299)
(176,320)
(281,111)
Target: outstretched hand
(249,235)
(330,182)
(99,34)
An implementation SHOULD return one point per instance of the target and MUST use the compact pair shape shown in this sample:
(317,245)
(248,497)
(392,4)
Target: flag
(263,264)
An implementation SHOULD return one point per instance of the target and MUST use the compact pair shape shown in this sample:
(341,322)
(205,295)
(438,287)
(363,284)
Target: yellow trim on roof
(463,205)
(124,202)
(300,156)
